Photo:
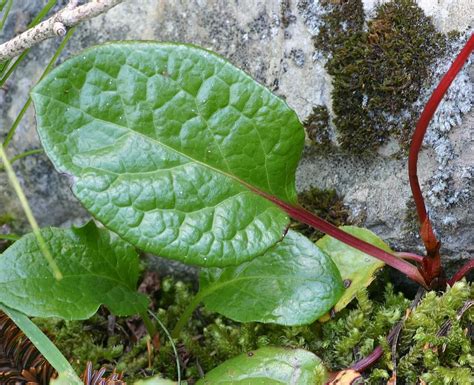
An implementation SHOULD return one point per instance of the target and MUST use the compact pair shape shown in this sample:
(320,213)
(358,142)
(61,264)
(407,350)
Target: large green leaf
(269,366)
(357,268)
(164,140)
(97,267)
(293,283)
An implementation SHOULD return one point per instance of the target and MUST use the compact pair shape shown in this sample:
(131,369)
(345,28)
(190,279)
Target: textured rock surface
(271,40)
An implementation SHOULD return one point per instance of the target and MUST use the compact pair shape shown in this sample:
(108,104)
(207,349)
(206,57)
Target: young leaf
(293,283)
(357,268)
(163,142)
(269,366)
(98,268)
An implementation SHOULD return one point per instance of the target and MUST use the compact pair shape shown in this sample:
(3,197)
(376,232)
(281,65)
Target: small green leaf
(163,142)
(293,283)
(269,366)
(97,267)
(357,268)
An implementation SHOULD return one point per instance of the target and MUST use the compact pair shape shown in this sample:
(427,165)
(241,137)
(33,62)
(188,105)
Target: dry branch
(56,25)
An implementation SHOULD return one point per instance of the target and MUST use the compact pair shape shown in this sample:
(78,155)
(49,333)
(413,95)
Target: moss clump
(434,352)
(317,127)
(326,204)
(210,339)
(378,70)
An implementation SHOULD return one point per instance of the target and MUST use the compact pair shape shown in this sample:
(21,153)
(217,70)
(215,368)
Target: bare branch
(56,25)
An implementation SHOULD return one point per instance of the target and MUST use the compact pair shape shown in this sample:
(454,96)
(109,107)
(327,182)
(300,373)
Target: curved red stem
(462,272)
(303,215)
(424,121)
(410,256)
(431,267)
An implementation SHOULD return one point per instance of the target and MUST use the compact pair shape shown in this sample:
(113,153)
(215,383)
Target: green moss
(6,219)
(210,339)
(378,70)
(326,204)
(317,127)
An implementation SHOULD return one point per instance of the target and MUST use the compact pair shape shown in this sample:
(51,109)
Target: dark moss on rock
(378,69)
(326,204)
(317,127)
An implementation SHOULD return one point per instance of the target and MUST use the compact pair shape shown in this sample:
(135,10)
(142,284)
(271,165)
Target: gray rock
(272,41)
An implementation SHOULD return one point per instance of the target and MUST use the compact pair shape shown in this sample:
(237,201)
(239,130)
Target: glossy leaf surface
(269,366)
(162,142)
(357,268)
(97,267)
(293,283)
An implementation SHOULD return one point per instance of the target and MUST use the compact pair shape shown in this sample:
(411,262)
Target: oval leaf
(163,142)
(97,267)
(293,283)
(357,268)
(269,366)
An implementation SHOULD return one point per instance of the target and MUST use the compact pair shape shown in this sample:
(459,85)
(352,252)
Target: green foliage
(207,340)
(293,283)
(439,359)
(357,268)
(163,142)
(378,70)
(97,268)
(356,331)
(269,366)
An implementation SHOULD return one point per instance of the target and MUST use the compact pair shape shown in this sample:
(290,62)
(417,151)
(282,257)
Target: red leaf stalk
(462,272)
(432,265)
(302,215)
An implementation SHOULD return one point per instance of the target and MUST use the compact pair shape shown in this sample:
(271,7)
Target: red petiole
(302,215)
(431,266)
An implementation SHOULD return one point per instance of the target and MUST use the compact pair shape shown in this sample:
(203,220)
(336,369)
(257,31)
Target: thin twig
(373,357)
(446,326)
(56,25)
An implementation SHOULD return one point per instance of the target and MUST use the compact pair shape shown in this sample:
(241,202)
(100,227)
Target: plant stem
(178,366)
(9,70)
(29,215)
(432,268)
(9,237)
(33,23)
(410,257)
(462,272)
(373,357)
(302,215)
(25,154)
(48,69)
(150,326)
(188,312)
(5,15)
